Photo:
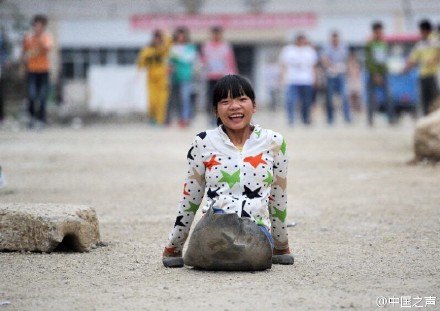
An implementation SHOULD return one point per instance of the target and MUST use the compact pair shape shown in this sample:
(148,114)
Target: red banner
(228,21)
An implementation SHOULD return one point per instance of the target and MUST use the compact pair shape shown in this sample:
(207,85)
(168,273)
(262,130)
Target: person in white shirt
(241,167)
(298,62)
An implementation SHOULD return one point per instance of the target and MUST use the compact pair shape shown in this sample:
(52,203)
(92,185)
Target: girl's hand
(170,252)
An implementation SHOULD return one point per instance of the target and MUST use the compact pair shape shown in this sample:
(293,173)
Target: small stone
(47,227)
(291,224)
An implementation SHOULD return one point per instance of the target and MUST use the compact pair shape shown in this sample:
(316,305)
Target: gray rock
(427,137)
(44,227)
(228,242)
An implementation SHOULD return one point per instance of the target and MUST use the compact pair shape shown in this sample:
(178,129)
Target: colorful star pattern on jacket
(269,179)
(255,161)
(251,194)
(251,183)
(196,176)
(281,215)
(231,180)
(283,147)
(192,208)
(184,190)
(211,163)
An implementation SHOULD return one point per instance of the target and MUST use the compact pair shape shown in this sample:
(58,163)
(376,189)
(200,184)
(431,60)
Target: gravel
(366,223)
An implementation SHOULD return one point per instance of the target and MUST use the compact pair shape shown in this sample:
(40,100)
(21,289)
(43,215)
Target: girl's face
(236,113)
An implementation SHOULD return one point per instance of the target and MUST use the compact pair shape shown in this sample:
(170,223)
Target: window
(75,62)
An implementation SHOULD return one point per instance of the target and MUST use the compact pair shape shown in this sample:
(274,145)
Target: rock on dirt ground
(427,137)
(48,227)
(367,224)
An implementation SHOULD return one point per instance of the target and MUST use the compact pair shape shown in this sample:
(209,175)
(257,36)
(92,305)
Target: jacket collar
(225,138)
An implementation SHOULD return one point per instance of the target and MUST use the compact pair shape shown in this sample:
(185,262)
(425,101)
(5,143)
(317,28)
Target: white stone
(427,137)
(43,227)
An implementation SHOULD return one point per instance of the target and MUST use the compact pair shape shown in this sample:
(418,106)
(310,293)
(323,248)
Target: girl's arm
(278,196)
(193,192)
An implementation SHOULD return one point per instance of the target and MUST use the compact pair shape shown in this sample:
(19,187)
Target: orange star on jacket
(211,163)
(255,160)
(185,192)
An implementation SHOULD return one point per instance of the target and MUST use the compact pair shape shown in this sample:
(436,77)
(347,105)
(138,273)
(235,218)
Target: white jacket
(251,182)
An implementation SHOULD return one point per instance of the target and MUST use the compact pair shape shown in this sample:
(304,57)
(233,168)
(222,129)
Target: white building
(111,32)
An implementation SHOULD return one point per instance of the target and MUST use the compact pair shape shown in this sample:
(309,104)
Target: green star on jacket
(269,178)
(192,208)
(281,215)
(230,179)
(283,147)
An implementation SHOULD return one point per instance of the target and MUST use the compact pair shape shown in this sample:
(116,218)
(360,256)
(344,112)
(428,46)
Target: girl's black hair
(233,86)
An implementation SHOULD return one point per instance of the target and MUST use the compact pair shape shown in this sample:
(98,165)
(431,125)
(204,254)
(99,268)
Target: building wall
(100,31)
(113,9)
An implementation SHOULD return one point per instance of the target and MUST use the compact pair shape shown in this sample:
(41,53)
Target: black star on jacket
(179,222)
(212,193)
(189,155)
(252,194)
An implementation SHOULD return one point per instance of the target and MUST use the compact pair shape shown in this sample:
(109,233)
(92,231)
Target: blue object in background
(404,89)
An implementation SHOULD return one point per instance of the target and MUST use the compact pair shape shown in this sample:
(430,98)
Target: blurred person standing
(354,81)
(298,66)
(426,54)
(183,58)
(334,60)
(154,58)
(4,56)
(218,59)
(34,62)
(272,76)
(438,38)
(376,53)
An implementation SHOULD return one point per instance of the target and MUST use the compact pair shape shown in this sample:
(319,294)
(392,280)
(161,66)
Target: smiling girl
(241,167)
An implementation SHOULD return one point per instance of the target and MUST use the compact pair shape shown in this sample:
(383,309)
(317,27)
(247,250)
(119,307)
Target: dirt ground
(367,223)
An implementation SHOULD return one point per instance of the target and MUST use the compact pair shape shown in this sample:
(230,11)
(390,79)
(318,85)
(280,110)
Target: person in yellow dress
(154,58)
(426,54)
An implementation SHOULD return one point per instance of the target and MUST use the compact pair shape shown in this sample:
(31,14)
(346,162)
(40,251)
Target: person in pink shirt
(218,60)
